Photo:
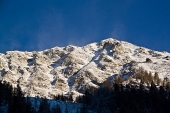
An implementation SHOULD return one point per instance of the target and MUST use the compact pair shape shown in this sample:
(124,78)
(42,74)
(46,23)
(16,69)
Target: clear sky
(29,25)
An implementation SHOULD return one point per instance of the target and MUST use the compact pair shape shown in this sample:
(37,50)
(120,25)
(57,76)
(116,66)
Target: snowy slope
(72,69)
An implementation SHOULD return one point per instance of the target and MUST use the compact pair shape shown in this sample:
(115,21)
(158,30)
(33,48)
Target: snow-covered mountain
(72,69)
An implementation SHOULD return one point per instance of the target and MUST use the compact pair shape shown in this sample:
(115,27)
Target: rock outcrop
(61,70)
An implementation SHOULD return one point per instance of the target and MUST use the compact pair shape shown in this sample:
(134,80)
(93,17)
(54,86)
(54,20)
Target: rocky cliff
(72,69)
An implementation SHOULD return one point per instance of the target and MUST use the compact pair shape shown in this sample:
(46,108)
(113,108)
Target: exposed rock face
(73,69)
(148,60)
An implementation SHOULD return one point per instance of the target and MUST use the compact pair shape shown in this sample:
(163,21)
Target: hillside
(72,69)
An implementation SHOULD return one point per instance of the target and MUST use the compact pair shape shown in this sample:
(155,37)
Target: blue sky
(29,25)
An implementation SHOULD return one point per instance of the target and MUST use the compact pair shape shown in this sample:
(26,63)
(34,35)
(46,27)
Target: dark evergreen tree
(87,97)
(56,109)
(66,111)
(29,108)
(84,109)
(44,106)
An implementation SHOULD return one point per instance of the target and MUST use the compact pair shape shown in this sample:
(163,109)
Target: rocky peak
(73,69)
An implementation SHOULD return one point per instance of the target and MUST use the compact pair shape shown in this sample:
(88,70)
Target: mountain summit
(72,69)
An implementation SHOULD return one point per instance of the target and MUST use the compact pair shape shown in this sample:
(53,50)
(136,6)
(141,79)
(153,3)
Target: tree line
(149,95)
